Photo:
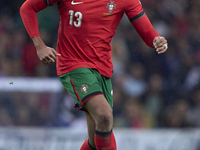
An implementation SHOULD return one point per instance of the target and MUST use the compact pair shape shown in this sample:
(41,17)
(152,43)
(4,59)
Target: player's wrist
(38,42)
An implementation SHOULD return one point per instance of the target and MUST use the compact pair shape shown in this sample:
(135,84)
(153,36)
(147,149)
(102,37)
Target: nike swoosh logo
(73,3)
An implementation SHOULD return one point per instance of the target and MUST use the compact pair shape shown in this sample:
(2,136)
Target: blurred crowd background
(150,90)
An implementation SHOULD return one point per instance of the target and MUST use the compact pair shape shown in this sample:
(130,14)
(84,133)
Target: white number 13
(79,16)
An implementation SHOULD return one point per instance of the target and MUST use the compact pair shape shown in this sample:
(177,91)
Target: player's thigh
(99,108)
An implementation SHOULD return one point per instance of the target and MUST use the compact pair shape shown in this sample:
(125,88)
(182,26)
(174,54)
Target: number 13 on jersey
(79,17)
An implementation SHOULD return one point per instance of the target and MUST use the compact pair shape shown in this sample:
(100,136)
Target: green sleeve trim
(137,16)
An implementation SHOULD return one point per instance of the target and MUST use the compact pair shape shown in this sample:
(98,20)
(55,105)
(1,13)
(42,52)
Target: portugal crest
(84,88)
(111,6)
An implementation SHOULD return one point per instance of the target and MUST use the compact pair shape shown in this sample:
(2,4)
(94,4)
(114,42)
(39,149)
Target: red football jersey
(85,31)
(86,28)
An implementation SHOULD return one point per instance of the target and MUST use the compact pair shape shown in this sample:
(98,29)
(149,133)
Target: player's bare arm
(46,54)
(28,13)
(160,43)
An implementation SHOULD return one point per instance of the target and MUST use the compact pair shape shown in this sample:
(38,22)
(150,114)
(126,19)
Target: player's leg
(84,85)
(101,112)
(89,142)
(91,128)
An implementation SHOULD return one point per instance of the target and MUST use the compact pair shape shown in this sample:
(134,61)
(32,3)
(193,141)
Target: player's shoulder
(132,2)
(125,2)
(51,2)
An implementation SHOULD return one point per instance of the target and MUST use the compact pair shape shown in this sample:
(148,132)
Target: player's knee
(105,118)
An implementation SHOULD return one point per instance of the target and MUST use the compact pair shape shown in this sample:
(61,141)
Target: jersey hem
(64,71)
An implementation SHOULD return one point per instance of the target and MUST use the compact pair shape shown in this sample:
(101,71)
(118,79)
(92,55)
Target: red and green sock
(86,146)
(105,140)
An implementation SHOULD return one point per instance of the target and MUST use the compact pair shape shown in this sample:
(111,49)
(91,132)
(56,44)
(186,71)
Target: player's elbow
(22,9)
(26,8)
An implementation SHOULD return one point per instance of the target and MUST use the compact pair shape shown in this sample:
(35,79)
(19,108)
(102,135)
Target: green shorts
(84,83)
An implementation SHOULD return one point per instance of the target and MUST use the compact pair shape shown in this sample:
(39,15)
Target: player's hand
(160,43)
(47,54)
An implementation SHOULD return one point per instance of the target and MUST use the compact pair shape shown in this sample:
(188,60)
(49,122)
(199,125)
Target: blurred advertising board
(71,139)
